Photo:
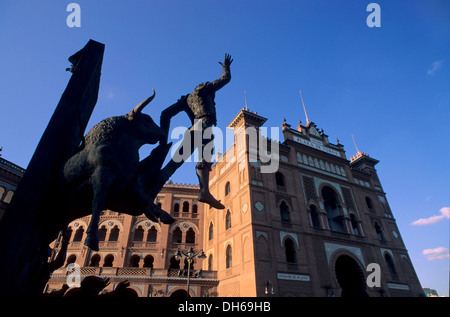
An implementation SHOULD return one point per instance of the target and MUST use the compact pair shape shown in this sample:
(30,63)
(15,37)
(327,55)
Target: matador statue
(199,105)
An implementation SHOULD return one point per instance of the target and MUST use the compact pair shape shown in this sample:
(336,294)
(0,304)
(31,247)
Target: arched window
(390,264)
(152,234)
(279,179)
(379,231)
(134,260)
(109,259)
(177,235)
(8,197)
(190,236)
(174,263)
(194,208)
(2,191)
(335,219)
(148,261)
(138,234)
(78,235)
(211,231)
(316,163)
(102,233)
(185,206)
(95,260)
(355,224)
(305,159)
(314,216)
(69,233)
(176,207)
(289,249)
(228,220)
(114,234)
(284,212)
(229,257)
(227,189)
(71,259)
(210,262)
(370,204)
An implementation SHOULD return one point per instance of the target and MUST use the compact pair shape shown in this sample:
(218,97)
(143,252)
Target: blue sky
(387,86)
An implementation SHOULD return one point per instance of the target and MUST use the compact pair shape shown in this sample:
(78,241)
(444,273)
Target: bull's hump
(107,129)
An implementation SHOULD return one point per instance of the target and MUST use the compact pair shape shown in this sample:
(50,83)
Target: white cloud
(439,253)
(445,213)
(435,66)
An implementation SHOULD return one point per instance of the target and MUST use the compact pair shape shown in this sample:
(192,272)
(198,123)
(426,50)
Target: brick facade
(141,251)
(306,231)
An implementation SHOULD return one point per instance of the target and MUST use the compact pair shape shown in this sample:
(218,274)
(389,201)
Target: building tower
(229,233)
(309,229)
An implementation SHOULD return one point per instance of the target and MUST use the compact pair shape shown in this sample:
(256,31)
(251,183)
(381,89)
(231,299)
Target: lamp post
(190,256)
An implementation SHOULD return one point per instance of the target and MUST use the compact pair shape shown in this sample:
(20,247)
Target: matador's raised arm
(226,74)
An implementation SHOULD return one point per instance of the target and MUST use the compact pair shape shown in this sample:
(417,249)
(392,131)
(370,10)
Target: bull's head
(144,126)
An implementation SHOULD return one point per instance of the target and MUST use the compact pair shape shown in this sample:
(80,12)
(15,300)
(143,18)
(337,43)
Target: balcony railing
(136,272)
(186,215)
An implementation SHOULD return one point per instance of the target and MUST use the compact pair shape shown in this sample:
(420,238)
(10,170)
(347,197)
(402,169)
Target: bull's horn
(142,105)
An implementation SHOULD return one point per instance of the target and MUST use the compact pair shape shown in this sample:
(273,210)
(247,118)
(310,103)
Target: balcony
(143,245)
(185,215)
(103,245)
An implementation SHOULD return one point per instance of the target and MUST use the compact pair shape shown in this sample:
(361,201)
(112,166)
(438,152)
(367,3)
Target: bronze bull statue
(106,172)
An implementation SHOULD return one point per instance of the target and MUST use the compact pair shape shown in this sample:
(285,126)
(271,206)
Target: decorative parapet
(171,184)
(358,155)
(11,167)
